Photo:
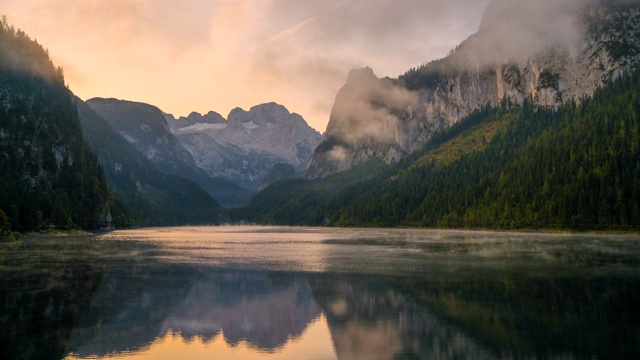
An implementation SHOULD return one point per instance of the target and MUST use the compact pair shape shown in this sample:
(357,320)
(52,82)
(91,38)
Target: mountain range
(228,159)
(149,195)
(547,51)
(529,123)
(246,146)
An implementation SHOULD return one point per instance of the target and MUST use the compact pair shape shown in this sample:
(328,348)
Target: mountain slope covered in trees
(48,174)
(150,196)
(576,166)
(145,128)
(545,51)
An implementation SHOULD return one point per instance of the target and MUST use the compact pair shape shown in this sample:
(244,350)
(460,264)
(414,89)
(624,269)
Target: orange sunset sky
(201,55)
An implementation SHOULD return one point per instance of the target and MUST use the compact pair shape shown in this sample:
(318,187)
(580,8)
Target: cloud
(389,36)
(299,25)
(337,154)
(517,29)
(185,56)
(368,108)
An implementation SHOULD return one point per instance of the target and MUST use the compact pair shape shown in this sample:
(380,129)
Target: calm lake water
(309,293)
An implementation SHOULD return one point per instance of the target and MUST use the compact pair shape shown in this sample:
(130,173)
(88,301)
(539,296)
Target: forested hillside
(151,197)
(546,52)
(48,174)
(574,167)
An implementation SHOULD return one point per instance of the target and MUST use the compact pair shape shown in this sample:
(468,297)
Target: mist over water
(299,293)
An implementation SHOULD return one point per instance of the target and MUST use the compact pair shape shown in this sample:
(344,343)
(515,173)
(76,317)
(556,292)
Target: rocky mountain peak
(245,147)
(213,117)
(269,113)
(130,115)
(360,75)
(194,118)
(549,51)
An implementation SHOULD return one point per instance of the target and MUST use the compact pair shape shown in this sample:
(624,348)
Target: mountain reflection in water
(139,297)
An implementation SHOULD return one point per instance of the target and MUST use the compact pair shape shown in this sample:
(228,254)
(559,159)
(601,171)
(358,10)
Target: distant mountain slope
(550,51)
(145,128)
(575,167)
(48,174)
(246,146)
(277,173)
(152,197)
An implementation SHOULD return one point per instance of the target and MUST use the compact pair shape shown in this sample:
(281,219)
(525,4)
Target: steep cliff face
(151,196)
(549,52)
(246,146)
(145,128)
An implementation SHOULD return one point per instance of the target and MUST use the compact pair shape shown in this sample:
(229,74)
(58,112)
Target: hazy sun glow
(203,55)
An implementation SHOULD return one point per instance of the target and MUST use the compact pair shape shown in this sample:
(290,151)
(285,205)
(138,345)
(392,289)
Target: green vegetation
(575,167)
(428,75)
(548,80)
(619,46)
(48,175)
(149,196)
(470,141)
(5,226)
(302,202)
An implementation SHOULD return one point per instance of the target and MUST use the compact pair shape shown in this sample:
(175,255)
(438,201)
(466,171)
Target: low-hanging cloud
(368,108)
(206,55)
(313,60)
(515,30)
(337,154)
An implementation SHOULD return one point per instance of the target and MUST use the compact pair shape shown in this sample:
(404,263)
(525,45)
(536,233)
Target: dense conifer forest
(515,166)
(511,167)
(149,196)
(48,175)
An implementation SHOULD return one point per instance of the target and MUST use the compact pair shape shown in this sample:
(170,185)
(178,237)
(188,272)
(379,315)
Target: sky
(202,55)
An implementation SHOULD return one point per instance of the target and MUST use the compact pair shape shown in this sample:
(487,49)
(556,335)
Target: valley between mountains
(530,123)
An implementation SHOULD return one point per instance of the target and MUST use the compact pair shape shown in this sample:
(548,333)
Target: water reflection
(265,310)
(42,294)
(503,318)
(86,299)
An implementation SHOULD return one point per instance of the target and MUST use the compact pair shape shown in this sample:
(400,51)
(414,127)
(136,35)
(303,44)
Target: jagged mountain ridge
(152,197)
(547,51)
(246,146)
(145,128)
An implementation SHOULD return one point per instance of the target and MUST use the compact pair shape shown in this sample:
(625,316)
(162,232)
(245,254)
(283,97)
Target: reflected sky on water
(307,293)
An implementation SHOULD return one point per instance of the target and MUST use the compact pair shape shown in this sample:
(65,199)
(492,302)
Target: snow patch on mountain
(246,146)
(199,127)
(250,125)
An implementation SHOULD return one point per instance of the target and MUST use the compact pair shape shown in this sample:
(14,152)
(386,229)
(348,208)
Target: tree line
(572,167)
(48,175)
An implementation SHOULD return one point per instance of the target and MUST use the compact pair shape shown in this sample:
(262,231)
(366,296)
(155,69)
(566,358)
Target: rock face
(154,197)
(145,128)
(227,158)
(549,52)
(246,146)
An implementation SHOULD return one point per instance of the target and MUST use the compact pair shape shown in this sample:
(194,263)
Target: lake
(320,293)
